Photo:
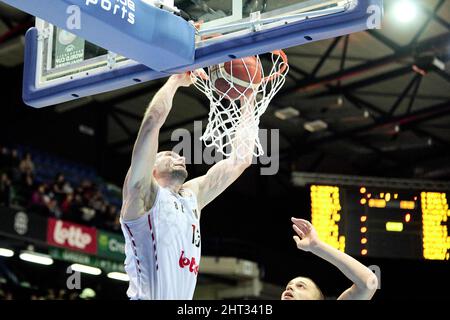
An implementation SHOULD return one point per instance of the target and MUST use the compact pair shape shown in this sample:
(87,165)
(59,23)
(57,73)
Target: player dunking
(161,212)
(364,280)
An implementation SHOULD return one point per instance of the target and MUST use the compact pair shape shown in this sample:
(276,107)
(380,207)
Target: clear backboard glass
(64,57)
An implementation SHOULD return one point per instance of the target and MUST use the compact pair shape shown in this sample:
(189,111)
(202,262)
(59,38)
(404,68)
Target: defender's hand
(307,238)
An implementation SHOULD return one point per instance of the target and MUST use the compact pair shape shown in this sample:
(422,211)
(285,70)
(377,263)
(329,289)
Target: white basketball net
(235,113)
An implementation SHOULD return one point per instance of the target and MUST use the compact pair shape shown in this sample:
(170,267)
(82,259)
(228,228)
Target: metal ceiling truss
(407,121)
(306,178)
(408,51)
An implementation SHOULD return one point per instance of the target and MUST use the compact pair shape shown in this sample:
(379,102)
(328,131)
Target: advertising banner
(69,49)
(76,257)
(110,245)
(22,224)
(72,236)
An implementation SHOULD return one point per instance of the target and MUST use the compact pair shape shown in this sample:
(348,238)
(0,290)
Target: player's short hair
(321,295)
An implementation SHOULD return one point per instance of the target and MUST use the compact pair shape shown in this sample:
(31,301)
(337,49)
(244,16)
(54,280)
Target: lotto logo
(184,262)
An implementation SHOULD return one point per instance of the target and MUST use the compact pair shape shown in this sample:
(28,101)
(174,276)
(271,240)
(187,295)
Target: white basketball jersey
(163,249)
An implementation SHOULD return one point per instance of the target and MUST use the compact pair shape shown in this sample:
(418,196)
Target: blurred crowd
(83,203)
(7,293)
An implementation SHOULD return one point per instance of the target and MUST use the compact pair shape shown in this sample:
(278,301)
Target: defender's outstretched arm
(365,282)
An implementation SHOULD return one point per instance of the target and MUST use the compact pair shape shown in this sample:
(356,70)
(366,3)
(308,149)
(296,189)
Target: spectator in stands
(26,189)
(87,212)
(37,198)
(53,209)
(5,189)
(67,188)
(87,215)
(112,219)
(40,199)
(10,163)
(75,207)
(66,205)
(84,203)
(13,164)
(58,187)
(97,202)
(87,190)
(26,166)
(101,215)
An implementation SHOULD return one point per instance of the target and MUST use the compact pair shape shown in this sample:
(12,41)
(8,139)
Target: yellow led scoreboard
(379,222)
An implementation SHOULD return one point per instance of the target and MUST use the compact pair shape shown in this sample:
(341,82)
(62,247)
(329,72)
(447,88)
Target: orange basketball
(237,77)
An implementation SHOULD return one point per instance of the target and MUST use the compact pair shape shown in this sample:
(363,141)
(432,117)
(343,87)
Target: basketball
(237,77)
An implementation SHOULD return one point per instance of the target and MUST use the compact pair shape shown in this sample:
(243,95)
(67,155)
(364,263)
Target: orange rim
(265,79)
(199,75)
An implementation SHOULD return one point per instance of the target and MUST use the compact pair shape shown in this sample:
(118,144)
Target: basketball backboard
(233,18)
(61,66)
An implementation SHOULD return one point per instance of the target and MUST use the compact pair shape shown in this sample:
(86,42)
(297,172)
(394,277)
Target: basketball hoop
(239,93)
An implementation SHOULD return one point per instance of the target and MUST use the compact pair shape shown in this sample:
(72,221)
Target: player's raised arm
(225,172)
(139,185)
(364,280)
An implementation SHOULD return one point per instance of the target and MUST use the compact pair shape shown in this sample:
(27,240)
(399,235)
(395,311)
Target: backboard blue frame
(285,36)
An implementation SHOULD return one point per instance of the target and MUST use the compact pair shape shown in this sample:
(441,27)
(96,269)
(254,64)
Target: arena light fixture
(118,276)
(405,11)
(86,269)
(6,252)
(36,258)
(315,126)
(287,113)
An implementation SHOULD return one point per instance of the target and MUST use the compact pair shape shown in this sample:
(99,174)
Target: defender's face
(170,164)
(300,289)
